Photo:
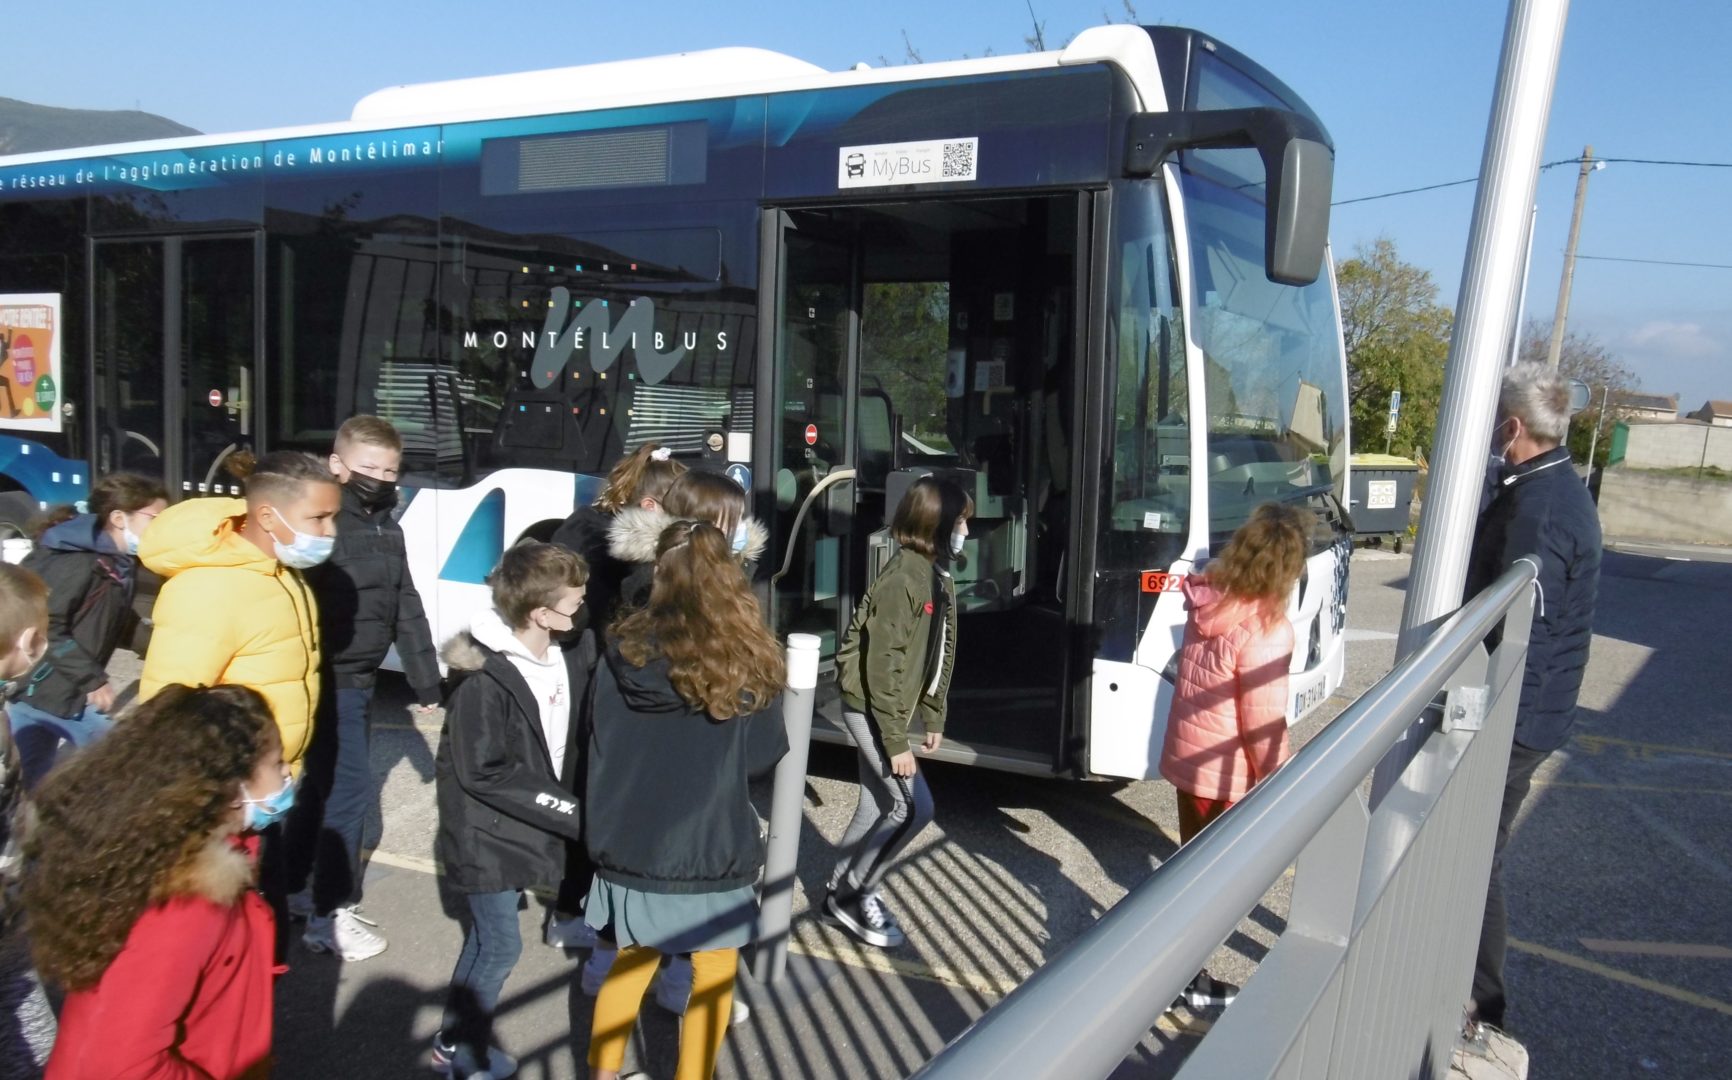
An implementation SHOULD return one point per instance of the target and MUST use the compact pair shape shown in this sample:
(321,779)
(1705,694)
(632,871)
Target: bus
(1091,285)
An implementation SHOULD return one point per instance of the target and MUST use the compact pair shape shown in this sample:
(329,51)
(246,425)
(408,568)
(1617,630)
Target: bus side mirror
(1298,170)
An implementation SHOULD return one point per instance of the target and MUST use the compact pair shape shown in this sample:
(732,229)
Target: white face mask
(741,536)
(307,550)
(957,539)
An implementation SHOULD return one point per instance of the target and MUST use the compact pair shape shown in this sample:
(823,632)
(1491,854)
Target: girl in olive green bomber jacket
(894,668)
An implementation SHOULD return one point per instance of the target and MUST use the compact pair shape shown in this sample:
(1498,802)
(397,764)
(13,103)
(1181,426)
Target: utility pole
(1563,312)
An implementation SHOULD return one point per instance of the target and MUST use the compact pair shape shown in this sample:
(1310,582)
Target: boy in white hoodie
(503,777)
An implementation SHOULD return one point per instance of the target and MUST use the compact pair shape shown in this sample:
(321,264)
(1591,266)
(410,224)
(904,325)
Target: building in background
(1636,405)
(1718,413)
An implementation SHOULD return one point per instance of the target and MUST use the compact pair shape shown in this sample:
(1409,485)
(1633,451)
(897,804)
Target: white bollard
(787,813)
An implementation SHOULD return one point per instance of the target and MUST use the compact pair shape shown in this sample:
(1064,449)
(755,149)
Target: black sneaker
(865,918)
(1206,992)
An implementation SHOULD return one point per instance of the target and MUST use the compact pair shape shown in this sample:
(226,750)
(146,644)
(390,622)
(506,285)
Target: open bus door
(178,336)
(934,337)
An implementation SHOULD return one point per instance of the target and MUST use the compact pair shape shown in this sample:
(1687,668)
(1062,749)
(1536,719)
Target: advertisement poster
(30,384)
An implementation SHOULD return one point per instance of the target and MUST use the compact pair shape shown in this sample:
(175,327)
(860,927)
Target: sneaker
(865,918)
(674,985)
(499,1064)
(569,932)
(1206,992)
(595,969)
(301,905)
(344,932)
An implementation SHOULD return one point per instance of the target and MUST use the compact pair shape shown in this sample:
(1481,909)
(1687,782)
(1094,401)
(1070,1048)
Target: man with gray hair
(1539,508)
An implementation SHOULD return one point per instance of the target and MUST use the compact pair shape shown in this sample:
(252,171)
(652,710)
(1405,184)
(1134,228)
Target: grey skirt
(673,922)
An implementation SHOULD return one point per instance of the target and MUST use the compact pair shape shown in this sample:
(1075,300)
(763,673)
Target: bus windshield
(1272,361)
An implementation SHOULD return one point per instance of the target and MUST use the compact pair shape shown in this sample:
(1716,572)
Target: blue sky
(1405,89)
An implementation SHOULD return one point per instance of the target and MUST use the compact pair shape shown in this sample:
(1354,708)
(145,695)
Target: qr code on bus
(959,160)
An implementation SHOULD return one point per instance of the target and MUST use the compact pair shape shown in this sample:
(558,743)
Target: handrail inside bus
(835,477)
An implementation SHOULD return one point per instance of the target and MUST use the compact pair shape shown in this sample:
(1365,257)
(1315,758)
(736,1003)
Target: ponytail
(646,473)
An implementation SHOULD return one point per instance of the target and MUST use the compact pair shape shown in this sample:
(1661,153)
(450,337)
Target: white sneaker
(674,985)
(569,933)
(595,969)
(499,1064)
(344,932)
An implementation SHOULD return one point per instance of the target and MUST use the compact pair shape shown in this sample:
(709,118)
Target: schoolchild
(639,481)
(696,496)
(1227,728)
(90,565)
(685,713)
(634,539)
(139,890)
(367,602)
(235,608)
(894,670)
(26,1021)
(504,812)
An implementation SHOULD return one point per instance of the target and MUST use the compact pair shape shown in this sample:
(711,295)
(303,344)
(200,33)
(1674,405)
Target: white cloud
(1678,340)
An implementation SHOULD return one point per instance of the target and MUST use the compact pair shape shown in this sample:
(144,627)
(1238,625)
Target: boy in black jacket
(367,602)
(506,807)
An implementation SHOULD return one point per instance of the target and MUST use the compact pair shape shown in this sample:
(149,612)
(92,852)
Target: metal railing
(1372,971)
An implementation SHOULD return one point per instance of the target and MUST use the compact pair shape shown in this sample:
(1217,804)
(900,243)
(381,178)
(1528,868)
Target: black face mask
(374,493)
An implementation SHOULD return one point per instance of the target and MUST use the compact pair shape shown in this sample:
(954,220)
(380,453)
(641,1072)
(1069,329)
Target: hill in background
(27,128)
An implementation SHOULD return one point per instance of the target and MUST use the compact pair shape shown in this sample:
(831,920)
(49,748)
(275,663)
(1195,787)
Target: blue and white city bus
(1090,285)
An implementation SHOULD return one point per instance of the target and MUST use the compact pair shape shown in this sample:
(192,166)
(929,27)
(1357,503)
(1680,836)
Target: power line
(1657,262)
(1547,165)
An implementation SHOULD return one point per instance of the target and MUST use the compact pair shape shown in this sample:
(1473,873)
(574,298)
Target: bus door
(177,338)
(937,337)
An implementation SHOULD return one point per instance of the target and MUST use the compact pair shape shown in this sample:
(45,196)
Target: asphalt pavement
(1621,962)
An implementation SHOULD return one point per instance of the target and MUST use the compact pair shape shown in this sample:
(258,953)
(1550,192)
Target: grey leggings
(891,812)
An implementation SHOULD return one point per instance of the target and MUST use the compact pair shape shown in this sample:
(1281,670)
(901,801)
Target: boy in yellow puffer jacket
(234,608)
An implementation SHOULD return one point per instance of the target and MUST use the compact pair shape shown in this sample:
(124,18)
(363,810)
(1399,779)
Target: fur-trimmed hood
(463,654)
(221,872)
(636,531)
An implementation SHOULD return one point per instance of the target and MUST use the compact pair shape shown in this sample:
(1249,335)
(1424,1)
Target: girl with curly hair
(685,713)
(139,891)
(1227,728)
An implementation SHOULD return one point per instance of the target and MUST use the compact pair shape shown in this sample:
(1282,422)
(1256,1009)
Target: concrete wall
(1641,506)
(1677,446)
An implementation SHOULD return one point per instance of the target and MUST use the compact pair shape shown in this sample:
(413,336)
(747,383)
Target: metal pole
(1563,313)
(776,897)
(1594,443)
(1520,330)
(1533,37)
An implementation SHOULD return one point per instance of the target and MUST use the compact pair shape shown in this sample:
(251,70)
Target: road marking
(1355,634)
(1659,948)
(1676,993)
(1595,744)
(402,862)
(389,725)
(1650,789)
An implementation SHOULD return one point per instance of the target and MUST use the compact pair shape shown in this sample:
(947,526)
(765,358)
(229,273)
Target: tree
(1397,337)
(1586,358)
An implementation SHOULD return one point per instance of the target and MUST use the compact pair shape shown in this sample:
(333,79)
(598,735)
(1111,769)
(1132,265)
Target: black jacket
(367,602)
(90,584)
(504,817)
(668,801)
(1542,508)
(585,532)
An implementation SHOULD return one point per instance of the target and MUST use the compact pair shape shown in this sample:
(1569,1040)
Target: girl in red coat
(140,898)
(1228,724)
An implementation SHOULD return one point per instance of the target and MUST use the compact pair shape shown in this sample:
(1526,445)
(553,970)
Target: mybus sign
(589,327)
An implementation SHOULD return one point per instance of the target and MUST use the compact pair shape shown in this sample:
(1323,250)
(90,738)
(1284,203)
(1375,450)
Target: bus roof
(694,76)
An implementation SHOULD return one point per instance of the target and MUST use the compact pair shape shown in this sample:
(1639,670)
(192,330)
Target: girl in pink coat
(1228,725)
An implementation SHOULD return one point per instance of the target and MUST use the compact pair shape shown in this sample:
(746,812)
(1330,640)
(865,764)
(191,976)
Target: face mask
(270,809)
(957,539)
(307,550)
(374,493)
(1503,455)
(741,535)
(130,538)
